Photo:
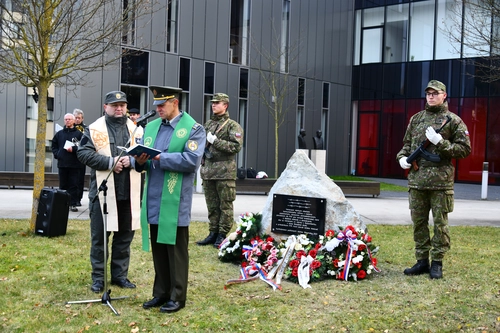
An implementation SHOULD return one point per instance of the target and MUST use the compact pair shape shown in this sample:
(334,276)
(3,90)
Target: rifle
(421,150)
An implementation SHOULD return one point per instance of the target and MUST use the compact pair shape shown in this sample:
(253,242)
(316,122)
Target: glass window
(301,92)
(285,36)
(128,35)
(373,21)
(243,83)
(448,15)
(242,117)
(357,37)
(396,34)
(476,34)
(184,73)
(209,78)
(240,32)
(135,67)
(422,30)
(326,95)
(172,18)
(394,81)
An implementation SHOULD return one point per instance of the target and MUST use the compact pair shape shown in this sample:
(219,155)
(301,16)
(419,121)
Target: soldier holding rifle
(440,136)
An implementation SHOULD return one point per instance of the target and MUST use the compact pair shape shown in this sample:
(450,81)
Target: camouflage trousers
(440,203)
(219,196)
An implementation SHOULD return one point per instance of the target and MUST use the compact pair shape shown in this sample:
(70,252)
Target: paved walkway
(388,208)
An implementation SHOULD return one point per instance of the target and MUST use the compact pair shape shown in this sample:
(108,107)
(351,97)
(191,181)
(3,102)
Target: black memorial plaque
(294,215)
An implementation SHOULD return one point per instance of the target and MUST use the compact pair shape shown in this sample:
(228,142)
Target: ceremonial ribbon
(350,237)
(253,272)
(303,271)
(248,249)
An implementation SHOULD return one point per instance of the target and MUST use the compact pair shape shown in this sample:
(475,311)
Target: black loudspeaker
(52,214)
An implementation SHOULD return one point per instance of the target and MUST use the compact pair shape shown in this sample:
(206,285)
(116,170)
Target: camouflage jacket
(455,144)
(221,163)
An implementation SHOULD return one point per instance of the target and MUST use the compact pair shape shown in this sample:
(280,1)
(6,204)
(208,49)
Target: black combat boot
(436,269)
(210,239)
(220,239)
(421,267)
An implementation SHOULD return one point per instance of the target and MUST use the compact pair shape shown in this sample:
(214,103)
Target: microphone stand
(106,298)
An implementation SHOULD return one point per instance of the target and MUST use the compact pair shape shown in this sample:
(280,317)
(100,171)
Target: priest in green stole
(168,195)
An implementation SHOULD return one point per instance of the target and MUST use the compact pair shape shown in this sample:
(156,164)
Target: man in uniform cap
(431,183)
(99,150)
(218,170)
(168,195)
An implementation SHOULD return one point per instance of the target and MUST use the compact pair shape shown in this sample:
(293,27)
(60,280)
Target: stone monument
(301,178)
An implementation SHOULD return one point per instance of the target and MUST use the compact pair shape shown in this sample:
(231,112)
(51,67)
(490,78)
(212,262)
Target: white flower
(357,259)
(298,247)
(244,235)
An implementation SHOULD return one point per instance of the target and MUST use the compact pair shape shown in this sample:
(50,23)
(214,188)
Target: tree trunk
(276,155)
(41,133)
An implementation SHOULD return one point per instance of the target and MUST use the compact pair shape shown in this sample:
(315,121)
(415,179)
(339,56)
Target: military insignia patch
(192,145)
(238,135)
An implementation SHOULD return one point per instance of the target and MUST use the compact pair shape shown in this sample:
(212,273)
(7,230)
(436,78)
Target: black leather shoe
(97,286)
(123,283)
(172,306)
(436,270)
(210,239)
(421,267)
(219,240)
(154,303)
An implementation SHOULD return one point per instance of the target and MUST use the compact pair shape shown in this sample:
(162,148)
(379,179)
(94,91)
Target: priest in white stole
(99,149)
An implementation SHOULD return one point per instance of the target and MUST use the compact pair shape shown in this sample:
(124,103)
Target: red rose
(317,246)
(358,265)
(313,253)
(374,261)
(316,264)
(361,274)
(352,229)
(269,239)
(367,238)
(295,272)
(361,247)
(300,253)
(294,263)
(330,233)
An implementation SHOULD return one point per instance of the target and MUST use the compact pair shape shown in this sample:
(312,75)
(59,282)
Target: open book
(137,150)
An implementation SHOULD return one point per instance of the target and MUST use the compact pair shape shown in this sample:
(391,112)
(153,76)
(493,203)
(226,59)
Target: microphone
(145,117)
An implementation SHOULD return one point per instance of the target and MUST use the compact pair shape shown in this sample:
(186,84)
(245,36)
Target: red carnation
(295,272)
(313,253)
(330,233)
(269,239)
(316,264)
(361,247)
(300,253)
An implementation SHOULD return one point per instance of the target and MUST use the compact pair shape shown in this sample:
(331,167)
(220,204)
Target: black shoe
(421,267)
(210,239)
(123,283)
(154,303)
(436,270)
(97,286)
(78,204)
(219,240)
(74,209)
(172,306)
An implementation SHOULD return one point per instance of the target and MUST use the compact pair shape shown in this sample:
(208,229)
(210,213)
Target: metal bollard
(484,183)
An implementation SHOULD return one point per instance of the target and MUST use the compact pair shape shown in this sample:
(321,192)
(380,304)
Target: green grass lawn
(38,275)
(383,186)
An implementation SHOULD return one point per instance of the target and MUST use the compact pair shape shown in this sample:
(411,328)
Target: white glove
(211,137)
(431,134)
(405,165)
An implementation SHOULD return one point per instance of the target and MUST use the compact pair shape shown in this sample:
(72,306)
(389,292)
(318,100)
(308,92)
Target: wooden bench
(263,186)
(11,179)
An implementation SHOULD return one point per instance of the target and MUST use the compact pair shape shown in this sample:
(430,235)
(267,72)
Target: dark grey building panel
(186,14)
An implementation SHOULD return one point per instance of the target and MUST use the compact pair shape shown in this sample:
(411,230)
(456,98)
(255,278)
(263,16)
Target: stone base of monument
(303,180)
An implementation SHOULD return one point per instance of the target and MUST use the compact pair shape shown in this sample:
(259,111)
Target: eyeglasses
(434,94)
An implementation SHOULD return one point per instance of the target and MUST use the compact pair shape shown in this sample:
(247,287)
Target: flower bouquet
(248,228)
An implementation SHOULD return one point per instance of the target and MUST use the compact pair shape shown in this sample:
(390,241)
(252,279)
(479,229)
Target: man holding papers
(168,194)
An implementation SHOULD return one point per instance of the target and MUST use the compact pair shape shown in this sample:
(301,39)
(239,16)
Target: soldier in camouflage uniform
(218,169)
(431,183)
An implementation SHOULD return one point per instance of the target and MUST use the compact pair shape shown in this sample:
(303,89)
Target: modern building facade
(355,70)
(399,46)
(213,46)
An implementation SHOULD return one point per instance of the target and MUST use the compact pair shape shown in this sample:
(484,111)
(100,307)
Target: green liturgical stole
(172,184)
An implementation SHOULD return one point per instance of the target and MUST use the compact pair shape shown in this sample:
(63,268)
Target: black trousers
(171,263)
(68,180)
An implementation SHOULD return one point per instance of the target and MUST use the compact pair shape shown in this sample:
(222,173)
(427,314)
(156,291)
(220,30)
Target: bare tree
(473,30)
(277,88)
(45,41)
